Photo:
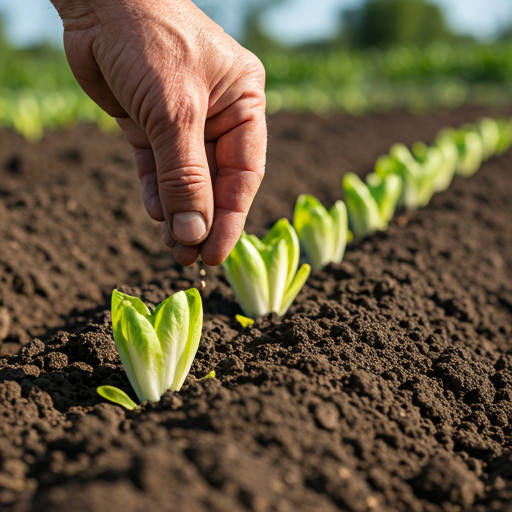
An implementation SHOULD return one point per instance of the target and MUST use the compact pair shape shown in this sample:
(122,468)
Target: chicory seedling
(449,165)
(322,233)
(156,348)
(505,141)
(470,147)
(490,133)
(401,162)
(420,172)
(363,210)
(263,273)
(431,160)
(386,192)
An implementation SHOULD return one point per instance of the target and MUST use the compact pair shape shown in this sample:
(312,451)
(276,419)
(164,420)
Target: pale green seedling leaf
(432,166)
(276,261)
(490,133)
(258,244)
(303,205)
(118,298)
(410,171)
(247,275)
(170,320)
(386,192)
(140,352)
(339,216)
(315,229)
(188,352)
(244,321)
(469,146)
(261,272)
(296,286)
(450,155)
(157,348)
(117,396)
(211,375)
(362,208)
(283,230)
(505,140)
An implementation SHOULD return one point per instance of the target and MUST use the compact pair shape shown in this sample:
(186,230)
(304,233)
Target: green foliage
(395,22)
(386,192)
(39,92)
(263,273)
(157,348)
(244,321)
(322,233)
(430,169)
(117,396)
(470,146)
(363,211)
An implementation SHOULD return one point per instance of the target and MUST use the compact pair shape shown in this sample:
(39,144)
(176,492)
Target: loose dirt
(386,387)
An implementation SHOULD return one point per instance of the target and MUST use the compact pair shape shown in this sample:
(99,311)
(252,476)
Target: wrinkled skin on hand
(190,101)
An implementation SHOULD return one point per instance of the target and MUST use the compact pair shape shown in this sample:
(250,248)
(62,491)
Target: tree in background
(394,22)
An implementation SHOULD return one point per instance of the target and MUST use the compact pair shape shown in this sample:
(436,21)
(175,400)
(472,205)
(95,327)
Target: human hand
(190,101)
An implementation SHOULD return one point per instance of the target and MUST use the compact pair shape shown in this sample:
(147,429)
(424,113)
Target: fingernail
(188,227)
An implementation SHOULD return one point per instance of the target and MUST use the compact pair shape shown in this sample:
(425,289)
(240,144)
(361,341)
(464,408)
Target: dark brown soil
(387,386)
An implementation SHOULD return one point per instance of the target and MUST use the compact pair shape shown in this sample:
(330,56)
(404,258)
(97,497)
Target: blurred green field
(38,91)
(360,81)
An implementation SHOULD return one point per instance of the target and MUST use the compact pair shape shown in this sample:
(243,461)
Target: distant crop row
(39,92)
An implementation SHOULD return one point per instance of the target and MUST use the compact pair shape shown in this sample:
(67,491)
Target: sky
(292,21)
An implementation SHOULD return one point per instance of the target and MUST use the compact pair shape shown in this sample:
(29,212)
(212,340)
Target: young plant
(431,161)
(156,348)
(363,210)
(420,172)
(489,131)
(322,233)
(401,163)
(505,140)
(263,273)
(470,147)
(386,192)
(449,165)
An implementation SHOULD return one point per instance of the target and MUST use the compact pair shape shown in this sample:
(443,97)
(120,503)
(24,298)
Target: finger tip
(214,256)
(185,255)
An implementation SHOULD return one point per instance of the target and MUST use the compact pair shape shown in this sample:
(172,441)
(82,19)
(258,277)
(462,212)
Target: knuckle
(182,184)
(254,65)
(255,79)
(174,109)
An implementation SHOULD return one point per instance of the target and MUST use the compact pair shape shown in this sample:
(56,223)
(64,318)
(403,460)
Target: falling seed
(344,473)
(202,272)
(203,285)
(372,502)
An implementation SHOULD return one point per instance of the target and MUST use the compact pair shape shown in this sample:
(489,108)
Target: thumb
(183,175)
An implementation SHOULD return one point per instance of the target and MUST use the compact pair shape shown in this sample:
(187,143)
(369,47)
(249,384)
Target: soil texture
(386,387)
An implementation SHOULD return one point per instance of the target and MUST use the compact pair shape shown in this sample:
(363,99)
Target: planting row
(158,347)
